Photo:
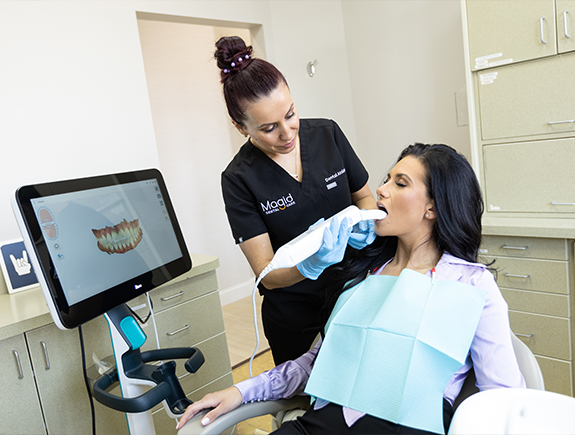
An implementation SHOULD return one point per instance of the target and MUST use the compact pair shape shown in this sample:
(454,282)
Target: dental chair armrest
(243,412)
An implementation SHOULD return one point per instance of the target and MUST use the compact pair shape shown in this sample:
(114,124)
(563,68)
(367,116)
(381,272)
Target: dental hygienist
(288,175)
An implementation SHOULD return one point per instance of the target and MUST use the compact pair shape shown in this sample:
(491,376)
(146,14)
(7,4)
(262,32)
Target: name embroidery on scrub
(279,204)
(332,177)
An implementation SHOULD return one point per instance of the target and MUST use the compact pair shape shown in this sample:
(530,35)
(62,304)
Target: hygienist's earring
(426,215)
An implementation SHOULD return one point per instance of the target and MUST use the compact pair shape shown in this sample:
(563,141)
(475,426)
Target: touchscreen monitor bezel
(68,316)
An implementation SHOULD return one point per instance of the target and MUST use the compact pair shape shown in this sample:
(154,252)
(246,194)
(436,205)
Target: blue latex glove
(332,250)
(362,234)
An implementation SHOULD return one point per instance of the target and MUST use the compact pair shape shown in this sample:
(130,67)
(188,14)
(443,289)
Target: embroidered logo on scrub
(120,238)
(278,205)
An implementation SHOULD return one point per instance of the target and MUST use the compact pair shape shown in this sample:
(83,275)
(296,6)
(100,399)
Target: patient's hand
(222,401)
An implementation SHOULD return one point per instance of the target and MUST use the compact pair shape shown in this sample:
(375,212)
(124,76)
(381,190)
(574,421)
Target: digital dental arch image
(120,238)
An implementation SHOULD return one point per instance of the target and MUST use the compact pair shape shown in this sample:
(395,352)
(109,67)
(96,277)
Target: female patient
(411,314)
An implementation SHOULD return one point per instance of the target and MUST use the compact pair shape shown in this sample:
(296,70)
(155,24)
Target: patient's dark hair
(245,78)
(454,188)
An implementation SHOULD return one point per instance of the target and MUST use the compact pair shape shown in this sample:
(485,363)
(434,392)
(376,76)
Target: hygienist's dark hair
(454,188)
(246,79)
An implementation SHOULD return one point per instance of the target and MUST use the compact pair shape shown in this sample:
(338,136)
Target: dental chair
(525,359)
(516,410)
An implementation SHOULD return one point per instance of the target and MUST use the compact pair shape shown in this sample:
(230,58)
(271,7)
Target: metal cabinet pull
(178,331)
(511,275)
(565,24)
(172,297)
(47,367)
(520,248)
(541,29)
(525,335)
(562,203)
(20,373)
(567,121)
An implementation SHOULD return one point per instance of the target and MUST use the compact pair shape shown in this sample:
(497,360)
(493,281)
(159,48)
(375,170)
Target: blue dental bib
(392,345)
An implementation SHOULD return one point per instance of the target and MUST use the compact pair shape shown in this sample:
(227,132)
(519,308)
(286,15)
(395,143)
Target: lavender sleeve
(281,382)
(491,355)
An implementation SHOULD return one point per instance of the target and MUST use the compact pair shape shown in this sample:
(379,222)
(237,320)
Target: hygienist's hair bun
(246,79)
(232,55)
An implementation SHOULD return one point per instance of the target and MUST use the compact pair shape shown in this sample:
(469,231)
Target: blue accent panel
(133,332)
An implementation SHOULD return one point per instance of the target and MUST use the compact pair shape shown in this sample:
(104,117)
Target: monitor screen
(100,241)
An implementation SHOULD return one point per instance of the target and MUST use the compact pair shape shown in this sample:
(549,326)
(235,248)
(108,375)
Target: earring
(426,215)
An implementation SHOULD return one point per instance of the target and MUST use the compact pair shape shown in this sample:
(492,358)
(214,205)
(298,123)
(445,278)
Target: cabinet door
(531,98)
(505,31)
(20,409)
(56,357)
(527,177)
(565,25)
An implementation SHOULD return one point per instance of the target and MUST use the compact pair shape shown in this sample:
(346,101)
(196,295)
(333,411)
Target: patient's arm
(221,401)
(284,381)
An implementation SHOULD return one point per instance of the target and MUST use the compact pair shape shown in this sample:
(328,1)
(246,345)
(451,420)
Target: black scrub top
(261,197)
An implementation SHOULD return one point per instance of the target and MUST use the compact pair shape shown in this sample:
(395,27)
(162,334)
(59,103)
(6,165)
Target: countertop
(26,310)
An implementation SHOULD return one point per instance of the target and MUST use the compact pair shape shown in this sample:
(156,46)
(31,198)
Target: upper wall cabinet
(500,32)
(565,10)
(527,99)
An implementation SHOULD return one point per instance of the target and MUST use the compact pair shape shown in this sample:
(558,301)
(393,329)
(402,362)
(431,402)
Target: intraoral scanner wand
(304,246)
(309,242)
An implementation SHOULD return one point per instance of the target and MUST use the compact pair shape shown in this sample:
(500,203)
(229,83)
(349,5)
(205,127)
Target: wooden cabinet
(511,31)
(506,31)
(565,10)
(534,278)
(18,385)
(527,177)
(44,390)
(520,63)
(518,101)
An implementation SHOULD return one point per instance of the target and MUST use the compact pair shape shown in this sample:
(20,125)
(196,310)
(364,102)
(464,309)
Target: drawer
(525,177)
(550,334)
(216,366)
(541,275)
(524,247)
(172,294)
(186,324)
(557,375)
(535,302)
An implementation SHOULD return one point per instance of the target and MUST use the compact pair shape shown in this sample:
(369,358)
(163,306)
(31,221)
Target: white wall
(74,100)
(306,31)
(406,64)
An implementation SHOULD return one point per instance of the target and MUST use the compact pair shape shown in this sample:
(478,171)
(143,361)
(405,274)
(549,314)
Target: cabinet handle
(525,335)
(541,30)
(567,121)
(511,275)
(565,24)
(172,297)
(47,366)
(178,331)
(562,203)
(520,248)
(20,373)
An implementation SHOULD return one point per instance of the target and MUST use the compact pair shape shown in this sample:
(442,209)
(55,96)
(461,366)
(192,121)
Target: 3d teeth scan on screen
(100,241)
(120,238)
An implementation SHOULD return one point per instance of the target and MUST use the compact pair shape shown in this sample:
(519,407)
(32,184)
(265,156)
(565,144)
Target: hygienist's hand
(222,401)
(332,250)
(362,234)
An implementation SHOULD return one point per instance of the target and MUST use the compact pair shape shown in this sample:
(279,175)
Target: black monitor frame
(68,316)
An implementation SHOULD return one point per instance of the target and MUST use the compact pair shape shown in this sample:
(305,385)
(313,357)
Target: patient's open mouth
(120,238)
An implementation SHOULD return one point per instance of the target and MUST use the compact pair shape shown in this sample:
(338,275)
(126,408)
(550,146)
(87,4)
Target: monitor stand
(143,385)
